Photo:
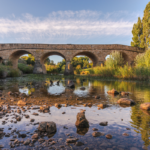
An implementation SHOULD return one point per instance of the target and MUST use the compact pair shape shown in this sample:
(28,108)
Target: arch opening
(83,61)
(1,60)
(90,55)
(23,60)
(116,55)
(53,62)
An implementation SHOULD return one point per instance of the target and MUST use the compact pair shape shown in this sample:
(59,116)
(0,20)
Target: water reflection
(43,92)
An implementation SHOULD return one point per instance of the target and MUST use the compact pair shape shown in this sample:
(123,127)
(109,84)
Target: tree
(146,26)
(115,60)
(141,30)
(137,32)
(47,61)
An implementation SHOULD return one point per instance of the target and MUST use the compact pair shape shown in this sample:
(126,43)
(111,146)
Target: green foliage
(47,61)
(115,60)
(25,68)
(125,72)
(13,73)
(141,30)
(143,60)
(146,25)
(137,32)
(29,59)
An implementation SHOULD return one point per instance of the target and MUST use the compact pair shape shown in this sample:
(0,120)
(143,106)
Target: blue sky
(69,21)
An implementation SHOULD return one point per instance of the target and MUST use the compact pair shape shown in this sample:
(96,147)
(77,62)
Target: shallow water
(38,91)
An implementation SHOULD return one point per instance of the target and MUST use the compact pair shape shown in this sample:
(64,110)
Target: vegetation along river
(55,116)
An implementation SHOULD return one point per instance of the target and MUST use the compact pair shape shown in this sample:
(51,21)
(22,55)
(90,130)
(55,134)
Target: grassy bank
(125,72)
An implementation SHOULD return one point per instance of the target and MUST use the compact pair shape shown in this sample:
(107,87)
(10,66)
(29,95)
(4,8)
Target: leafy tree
(141,30)
(115,60)
(47,61)
(136,31)
(146,26)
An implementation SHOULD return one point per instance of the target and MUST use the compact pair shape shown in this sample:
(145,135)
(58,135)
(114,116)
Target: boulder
(71,140)
(3,74)
(96,134)
(21,102)
(102,105)
(58,105)
(125,101)
(103,123)
(145,106)
(124,93)
(49,127)
(81,120)
(35,136)
(113,91)
(44,108)
(97,97)
(82,88)
(71,84)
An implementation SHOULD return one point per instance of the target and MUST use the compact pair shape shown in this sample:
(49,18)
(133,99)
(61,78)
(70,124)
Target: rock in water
(125,101)
(81,120)
(82,88)
(102,105)
(113,91)
(124,93)
(49,127)
(71,84)
(103,123)
(96,134)
(145,106)
(21,102)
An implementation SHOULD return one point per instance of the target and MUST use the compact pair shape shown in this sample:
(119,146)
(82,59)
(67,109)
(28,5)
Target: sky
(69,21)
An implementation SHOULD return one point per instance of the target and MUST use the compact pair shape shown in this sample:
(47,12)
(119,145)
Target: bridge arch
(91,55)
(15,56)
(47,54)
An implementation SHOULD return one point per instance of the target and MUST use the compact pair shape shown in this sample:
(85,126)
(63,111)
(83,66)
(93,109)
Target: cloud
(74,24)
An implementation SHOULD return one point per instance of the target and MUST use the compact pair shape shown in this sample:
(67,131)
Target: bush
(125,72)
(84,72)
(13,73)
(25,68)
(115,60)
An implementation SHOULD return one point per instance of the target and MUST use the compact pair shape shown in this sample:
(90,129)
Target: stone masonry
(96,53)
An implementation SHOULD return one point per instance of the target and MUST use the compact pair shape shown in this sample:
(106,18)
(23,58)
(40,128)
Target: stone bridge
(96,53)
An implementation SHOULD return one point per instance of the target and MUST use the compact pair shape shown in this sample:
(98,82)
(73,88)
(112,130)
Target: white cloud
(75,24)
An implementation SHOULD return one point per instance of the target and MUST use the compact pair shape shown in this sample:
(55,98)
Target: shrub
(126,71)
(84,72)
(25,68)
(14,73)
(115,60)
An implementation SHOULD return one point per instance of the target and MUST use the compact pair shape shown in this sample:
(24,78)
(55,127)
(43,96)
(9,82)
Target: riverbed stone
(81,120)
(145,106)
(96,134)
(124,93)
(21,102)
(103,123)
(82,88)
(71,140)
(49,127)
(108,136)
(125,101)
(102,106)
(113,91)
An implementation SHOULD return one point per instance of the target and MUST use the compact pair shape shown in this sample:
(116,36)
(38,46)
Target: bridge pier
(38,69)
(69,68)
